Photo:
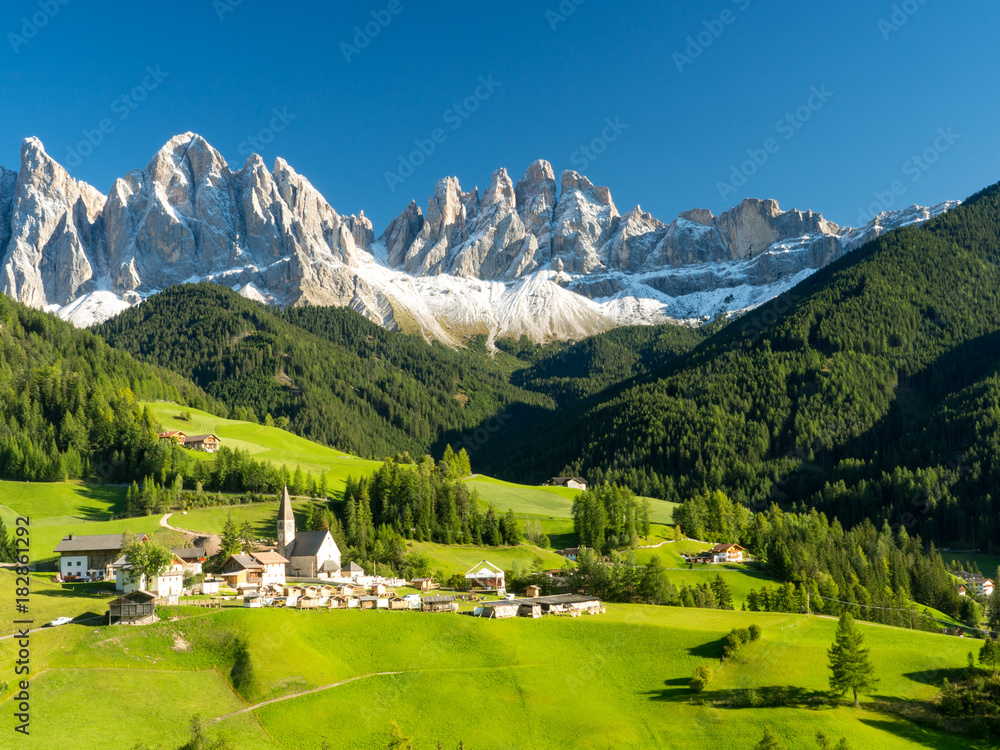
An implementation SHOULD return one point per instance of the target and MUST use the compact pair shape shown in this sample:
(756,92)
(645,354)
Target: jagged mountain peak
(546,258)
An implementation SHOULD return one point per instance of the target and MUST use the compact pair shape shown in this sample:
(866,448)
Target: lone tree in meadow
(850,665)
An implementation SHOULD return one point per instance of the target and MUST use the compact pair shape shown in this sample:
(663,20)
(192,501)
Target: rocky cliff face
(521,258)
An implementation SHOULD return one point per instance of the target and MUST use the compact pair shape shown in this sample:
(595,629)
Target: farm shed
(499,610)
(425,584)
(368,602)
(439,604)
(137,608)
(398,602)
(533,591)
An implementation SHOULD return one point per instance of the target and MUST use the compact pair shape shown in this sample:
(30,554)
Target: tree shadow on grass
(921,737)
(707,650)
(935,676)
(771,696)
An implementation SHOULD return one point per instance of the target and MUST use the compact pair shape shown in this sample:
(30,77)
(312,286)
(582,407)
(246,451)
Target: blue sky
(690,88)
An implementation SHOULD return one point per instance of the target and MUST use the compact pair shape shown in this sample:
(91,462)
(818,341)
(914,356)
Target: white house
(193,557)
(574,483)
(168,583)
(977,583)
(726,553)
(90,555)
(309,553)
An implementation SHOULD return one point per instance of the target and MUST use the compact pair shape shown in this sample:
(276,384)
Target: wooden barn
(137,608)
(369,602)
(439,604)
(425,584)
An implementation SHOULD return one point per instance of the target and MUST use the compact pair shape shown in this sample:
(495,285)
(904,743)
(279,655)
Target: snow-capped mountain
(521,259)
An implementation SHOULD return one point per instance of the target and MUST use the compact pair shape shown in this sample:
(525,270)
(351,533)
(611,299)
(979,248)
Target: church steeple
(286,525)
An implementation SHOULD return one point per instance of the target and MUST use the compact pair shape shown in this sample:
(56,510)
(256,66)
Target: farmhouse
(485,577)
(720,553)
(90,556)
(254,569)
(574,483)
(136,608)
(977,583)
(174,436)
(307,553)
(169,583)
(206,443)
(192,557)
(570,553)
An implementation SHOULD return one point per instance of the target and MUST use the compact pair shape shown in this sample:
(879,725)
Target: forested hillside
(69,402)
(330,374)
(870,390)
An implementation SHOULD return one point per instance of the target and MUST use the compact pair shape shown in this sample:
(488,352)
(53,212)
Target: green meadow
(550,683)
(280,447)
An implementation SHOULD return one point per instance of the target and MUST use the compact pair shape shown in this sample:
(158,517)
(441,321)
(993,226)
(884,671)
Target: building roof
(199,438)
(971,577)
(725,547)
(353,567)
(438,599)
(244,561)
(189,553)
(569,551)
(172,433)
(307,544)
(285,508)
(269,558)
(330,566)
(565,480)
(93,542)
(138,594)
(552,599)
(484,569)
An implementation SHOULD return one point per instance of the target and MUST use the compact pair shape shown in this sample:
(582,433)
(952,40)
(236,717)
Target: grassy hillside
(544,681)
(280,447)
(869,391)
(338,378)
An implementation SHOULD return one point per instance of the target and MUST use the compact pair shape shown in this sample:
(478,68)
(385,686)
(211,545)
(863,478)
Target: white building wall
(73,565)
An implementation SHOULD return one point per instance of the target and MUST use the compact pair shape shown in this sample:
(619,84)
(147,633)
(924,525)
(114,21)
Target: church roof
(285,511)
(307,544)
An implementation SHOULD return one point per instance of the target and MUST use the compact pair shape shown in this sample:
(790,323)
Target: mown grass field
(280,447)
(616,680)
(456,558)
(556,502)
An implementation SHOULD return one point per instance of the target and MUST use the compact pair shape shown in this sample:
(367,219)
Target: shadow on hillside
(935,676)
(112,495)
(562,541)
(919,736)
(707,650)
(773,696)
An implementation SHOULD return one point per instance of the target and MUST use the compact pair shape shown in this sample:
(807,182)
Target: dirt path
(254,707)
(212,542)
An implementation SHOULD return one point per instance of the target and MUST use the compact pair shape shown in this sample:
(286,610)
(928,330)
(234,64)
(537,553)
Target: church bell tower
(286,525)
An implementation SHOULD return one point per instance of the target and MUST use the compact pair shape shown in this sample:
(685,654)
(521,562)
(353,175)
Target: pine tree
(229,543)
(850,664)
(6,543)
(993,605)
(989,654)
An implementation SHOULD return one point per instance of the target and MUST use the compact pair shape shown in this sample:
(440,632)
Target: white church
(310,554)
